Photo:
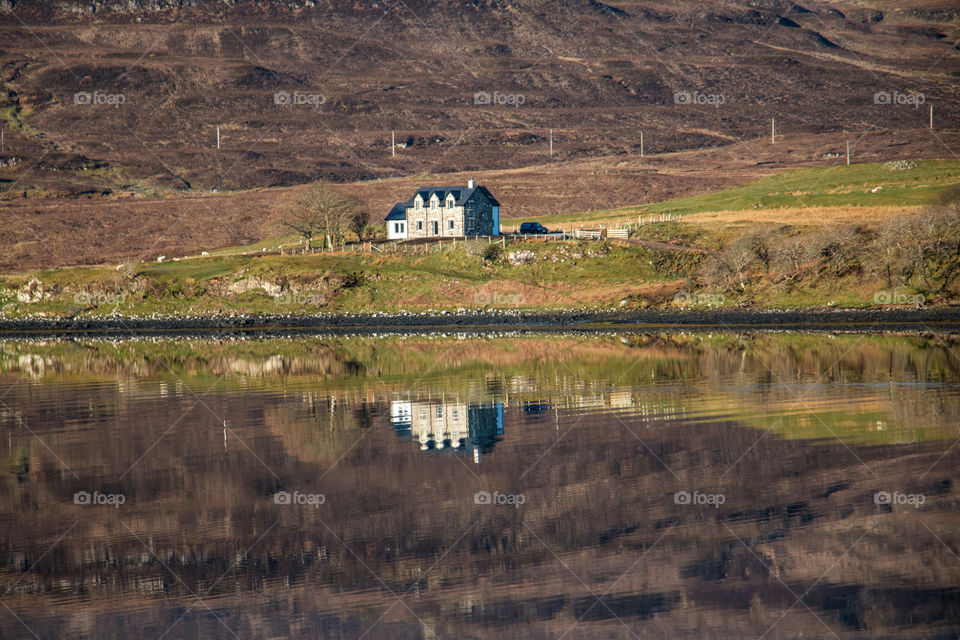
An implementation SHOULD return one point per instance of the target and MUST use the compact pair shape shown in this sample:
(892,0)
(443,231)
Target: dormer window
(434,201)
(450,202)
(418,202)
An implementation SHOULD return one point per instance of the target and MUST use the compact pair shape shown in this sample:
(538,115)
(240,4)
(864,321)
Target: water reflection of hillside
(750,380)
(596,458)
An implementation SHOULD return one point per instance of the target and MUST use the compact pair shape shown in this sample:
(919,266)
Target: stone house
(445,212)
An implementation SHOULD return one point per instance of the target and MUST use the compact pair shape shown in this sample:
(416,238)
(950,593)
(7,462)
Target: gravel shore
(938,320)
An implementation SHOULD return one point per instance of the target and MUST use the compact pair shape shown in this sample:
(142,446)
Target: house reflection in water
(453,427)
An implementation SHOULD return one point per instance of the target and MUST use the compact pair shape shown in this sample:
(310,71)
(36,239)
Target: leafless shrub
(837,246)
(942,240)
(922,248)
(790,255)
(728,268)
(762,243)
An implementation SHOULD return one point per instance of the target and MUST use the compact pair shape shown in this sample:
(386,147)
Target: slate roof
(460,194)
(399,211)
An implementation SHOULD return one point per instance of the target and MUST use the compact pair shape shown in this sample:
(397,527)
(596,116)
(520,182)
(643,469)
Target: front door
(436,228)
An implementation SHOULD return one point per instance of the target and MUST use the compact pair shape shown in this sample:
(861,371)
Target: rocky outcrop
(31,292)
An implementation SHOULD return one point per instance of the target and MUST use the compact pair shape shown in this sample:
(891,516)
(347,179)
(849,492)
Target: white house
(445,212)
(453,427)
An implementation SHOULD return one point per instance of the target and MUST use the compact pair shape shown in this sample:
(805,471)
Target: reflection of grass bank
(749,380)
(886,417)
(610,359)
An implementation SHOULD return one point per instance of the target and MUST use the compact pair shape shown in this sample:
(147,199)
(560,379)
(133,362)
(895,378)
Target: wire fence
(595,232)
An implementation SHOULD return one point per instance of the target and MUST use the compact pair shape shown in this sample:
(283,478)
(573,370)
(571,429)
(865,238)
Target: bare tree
(888,248)
(323,211)
(359,222)
(738,258)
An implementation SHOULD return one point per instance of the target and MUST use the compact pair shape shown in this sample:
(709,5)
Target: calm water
(714,486)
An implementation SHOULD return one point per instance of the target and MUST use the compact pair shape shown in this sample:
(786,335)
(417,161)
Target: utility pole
(218,136)
(931,117)
(393,144)
(773,130)
(641,143)
(551,143)
(848,153)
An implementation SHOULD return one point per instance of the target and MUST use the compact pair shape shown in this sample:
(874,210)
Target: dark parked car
(533,227)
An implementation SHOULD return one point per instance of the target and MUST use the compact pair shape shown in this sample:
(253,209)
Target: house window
(418,203)
(451,223)
(396,227)
(419,225)
(449,203)
(433,203)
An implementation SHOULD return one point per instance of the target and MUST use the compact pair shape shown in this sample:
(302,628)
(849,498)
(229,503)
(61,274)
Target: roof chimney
(471,184)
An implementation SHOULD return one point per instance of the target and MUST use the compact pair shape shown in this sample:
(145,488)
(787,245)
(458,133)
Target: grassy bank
(910,257)
(529,275)
(547,276)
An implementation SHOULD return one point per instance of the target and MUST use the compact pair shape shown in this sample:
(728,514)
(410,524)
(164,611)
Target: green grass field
(567,275)
(828,187)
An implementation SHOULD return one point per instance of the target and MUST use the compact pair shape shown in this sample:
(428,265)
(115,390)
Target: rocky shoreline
(937,320)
